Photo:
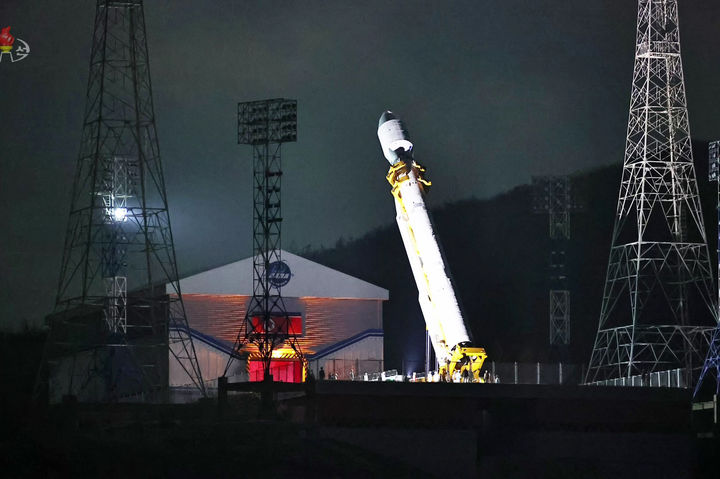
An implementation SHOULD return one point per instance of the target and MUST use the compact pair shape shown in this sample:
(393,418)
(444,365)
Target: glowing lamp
(283,353)
(119,214)
(6,40)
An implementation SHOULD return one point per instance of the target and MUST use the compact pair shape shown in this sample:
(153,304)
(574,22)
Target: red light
(286,371)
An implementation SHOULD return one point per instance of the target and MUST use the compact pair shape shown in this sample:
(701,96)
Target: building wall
(215,315)
(352,361)
(110,374)
(329,321)
(212,363)
(326,320)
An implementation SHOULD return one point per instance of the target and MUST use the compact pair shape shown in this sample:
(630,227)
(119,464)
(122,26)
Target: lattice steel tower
(658,303)
(115,318)
(266,125)
(712,361)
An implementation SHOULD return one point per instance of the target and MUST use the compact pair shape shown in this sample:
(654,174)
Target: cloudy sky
(492,91)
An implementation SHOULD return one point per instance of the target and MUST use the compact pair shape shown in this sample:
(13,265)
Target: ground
(356,430)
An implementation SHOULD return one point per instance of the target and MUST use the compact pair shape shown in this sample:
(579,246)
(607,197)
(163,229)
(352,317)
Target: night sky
(491,91)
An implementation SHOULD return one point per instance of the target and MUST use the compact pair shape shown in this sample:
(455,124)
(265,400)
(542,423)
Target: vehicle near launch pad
(444,321)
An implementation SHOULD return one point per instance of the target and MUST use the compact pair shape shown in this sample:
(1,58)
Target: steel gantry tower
(266,125)
(658,306)
(552,195)
(119,313)
(712,361)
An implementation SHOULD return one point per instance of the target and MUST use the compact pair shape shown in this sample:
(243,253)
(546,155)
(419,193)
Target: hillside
(498,252)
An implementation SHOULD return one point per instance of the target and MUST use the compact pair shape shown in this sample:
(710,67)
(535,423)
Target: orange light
(283,353)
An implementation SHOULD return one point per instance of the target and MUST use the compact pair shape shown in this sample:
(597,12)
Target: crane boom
(436,295)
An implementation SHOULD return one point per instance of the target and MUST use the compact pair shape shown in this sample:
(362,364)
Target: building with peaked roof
(341,315)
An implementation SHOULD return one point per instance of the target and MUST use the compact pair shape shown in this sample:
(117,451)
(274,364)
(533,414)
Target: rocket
(436,295)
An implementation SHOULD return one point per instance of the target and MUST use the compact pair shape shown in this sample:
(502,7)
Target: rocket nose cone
(386,116)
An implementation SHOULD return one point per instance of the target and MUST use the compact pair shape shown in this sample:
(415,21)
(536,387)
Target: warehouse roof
(308,279)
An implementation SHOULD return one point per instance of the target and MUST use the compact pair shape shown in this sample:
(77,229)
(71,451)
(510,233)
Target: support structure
(119,312)
(712,361)
(552,195)
(266,125)
(448,332)
(430,362)
(658,309)
(559,317)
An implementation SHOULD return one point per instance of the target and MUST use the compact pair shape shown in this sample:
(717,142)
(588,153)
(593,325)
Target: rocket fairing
(393,138)
(436,295)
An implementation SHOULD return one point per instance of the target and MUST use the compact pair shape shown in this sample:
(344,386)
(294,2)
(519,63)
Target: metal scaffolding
(266,125)
(119,313)
(658,309)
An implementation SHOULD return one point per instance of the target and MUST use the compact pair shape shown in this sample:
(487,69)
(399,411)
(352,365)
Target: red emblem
(6,40)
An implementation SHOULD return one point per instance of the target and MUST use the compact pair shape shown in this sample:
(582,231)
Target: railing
(673,378)
(348,369)
(532,373)
(506,372)
(516,372)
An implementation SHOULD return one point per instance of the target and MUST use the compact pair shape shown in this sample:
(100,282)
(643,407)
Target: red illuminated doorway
(282,370)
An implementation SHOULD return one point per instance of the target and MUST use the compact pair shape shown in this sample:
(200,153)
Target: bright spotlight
(119,214)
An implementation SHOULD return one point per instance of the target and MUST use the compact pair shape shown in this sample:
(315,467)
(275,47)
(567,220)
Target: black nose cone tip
(385,117)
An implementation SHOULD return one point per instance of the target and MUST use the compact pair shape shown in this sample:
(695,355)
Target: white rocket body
(436,295)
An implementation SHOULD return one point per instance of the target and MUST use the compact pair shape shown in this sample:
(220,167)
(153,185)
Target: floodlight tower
(266,125)
(119,312)
(551,195)
(712,361)
(659,265)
